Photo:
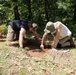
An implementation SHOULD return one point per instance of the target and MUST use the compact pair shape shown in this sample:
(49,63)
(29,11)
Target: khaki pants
(10,34)
(64,41)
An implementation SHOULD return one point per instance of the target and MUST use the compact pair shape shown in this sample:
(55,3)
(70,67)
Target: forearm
(21,41)
(56,39)
(55,43)
(36,35)
(43,38)
(21,36)
(42,42)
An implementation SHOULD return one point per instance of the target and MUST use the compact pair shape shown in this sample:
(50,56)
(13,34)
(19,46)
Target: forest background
(39,11)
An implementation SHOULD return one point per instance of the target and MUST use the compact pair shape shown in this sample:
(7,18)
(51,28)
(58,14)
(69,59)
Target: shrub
(4,29)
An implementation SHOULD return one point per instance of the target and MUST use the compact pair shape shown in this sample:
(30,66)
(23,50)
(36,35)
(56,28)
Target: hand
(53,49)
(42,47)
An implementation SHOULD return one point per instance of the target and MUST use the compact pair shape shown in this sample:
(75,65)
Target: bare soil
(32,61)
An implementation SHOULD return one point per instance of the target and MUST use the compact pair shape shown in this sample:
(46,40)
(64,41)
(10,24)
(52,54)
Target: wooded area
(31,60)
(39,11)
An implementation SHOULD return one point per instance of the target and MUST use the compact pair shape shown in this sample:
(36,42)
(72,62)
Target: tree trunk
(16,14)
(29,10)
(46,10)
(39,13)
(75,13)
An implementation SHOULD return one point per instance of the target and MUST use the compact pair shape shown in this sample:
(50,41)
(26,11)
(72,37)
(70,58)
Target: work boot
(59,45)
(72,42)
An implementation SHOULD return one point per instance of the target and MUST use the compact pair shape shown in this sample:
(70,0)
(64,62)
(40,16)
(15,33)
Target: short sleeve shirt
(18,24)
(64,31)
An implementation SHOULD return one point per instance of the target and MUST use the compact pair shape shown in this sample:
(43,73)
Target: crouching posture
(17,30)
(61,34)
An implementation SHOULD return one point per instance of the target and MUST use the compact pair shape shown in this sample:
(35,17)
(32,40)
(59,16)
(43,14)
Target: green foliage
(62,10)
(4,29)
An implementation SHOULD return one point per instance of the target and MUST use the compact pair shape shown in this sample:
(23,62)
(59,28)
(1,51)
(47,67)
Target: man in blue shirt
(17,30)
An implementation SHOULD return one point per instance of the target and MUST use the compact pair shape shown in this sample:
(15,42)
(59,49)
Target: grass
(15,61)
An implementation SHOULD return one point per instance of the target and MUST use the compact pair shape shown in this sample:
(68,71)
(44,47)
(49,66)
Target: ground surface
(32,61)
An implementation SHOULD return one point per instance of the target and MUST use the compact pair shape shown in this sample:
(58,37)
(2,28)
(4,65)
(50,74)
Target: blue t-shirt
(18,24)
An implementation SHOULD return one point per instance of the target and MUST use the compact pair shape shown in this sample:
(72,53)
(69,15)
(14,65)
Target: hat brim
(46,31)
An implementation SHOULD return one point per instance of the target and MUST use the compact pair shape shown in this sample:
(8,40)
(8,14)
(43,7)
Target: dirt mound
(36,53)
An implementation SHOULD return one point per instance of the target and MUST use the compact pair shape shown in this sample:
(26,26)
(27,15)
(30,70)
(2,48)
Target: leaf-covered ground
(16,61)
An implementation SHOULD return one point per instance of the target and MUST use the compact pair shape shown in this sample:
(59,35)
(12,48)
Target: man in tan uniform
(60,32)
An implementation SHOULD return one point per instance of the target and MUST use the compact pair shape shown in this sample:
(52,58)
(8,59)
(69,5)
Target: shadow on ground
(32,47)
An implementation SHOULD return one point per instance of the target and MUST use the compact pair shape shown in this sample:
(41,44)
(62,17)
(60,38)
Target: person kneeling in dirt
(17,30)
(61,34)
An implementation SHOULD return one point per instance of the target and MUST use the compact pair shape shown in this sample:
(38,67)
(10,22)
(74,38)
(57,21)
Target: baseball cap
(49,27)
(34,25)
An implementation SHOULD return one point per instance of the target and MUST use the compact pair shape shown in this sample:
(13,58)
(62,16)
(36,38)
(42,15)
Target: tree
(74,13)
(29,9)
(46,10)
(15,9)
